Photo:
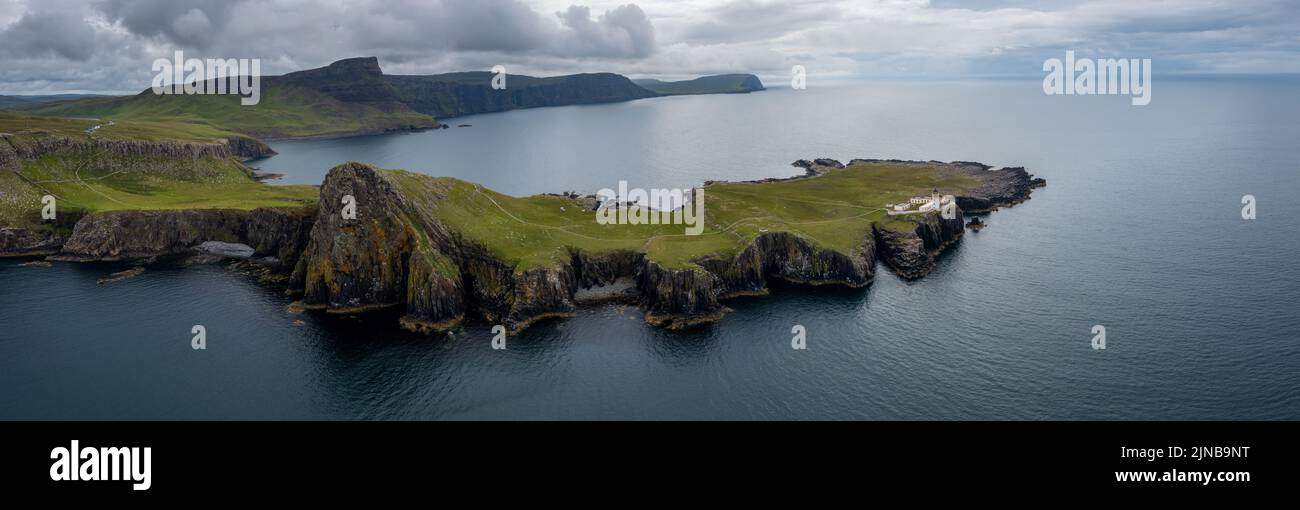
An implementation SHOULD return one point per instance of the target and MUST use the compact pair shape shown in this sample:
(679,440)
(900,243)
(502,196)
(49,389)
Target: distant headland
(353,97)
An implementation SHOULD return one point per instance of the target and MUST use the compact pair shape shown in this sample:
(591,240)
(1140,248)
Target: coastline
(439,275)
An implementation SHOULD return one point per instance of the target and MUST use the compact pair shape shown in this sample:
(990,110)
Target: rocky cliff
(911,253)
(127,235)
(14,148)
(458,94)
(21,242)
(397,253)
(132,235)
(277,233)
(717,84)
(247,148)
(27,148)
(114,236)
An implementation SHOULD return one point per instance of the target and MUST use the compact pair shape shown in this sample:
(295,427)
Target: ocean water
(1139,230)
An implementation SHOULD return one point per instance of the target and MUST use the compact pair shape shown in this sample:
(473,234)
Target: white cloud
(55,45)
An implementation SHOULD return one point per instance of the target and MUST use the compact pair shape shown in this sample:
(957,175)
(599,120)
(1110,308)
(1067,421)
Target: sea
(1140,232)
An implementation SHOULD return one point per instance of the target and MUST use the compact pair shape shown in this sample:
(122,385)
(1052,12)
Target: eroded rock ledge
(14,148)
(281,233)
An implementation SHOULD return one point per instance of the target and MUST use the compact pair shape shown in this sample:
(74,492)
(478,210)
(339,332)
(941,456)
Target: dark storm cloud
(621,32)
(48,34)
(193,23)
(108,45)
(507,26)
(466,25)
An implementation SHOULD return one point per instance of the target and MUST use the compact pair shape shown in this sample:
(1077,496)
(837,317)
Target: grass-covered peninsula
(442,247)
(835,210)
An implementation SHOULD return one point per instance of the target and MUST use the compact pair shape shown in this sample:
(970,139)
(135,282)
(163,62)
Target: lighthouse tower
(934,198)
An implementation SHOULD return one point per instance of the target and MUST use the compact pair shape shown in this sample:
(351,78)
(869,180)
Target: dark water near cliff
(1139,230)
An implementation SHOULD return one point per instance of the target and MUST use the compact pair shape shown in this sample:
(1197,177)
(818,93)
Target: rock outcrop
(911,254)
(127,235)
(355,264)
(280,232)
(8,157)
(999,188)
(26,148)
(114,236)
(459,94)
(21,242)
(247,148)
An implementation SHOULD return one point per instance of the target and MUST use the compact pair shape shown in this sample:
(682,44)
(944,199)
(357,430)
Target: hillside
(443,247)
(354,96)
(717,84)
(347,97)
(130,166)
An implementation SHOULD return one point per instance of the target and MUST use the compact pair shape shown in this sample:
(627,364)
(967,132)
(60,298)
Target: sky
(108,46)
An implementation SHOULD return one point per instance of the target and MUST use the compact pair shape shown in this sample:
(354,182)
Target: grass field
(95,182)
(25,125)
(284,111)
(836,210)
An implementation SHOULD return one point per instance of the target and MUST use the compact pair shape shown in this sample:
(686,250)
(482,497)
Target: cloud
(407,29)
(191,23)
(755,20)
(622,32)
(48,34)
(108,45)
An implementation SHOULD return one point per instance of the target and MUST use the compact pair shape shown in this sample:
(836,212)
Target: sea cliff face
(462,94)
(128,235)
(21,242)
(678,298)
(363,263)
(116,236)
(396,253)
(15,148)
(247,148)
(911,254)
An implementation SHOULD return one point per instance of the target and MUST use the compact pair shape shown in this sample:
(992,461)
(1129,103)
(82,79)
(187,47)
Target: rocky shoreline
(403,256)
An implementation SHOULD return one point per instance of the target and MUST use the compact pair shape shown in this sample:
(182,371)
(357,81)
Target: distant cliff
(353,96)
(457,94)
(718,84)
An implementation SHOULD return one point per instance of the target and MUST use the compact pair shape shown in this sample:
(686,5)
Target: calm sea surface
(1139,230)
